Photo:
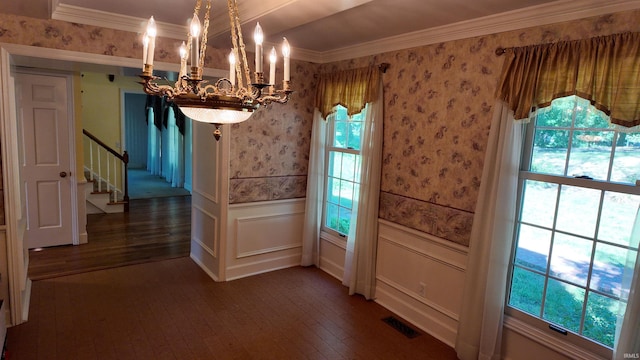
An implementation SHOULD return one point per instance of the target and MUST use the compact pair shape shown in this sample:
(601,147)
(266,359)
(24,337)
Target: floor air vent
(399,325)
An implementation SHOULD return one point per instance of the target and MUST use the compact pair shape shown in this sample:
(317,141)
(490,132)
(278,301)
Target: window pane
(608,266)
(578,210)
(588,116)
(533,247)
(340,134)
(335,163)
(345,219)
(626,162)
(539,204)
(559,114)
(333,190)
(349,167)
(600,319)
(590,154)
(550,151)
(331,218)
(346,194)
(618,215)
(570,258)
(526,291)
(563,305)
(355,135)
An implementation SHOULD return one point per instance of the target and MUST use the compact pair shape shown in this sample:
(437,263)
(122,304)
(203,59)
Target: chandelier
(227,100)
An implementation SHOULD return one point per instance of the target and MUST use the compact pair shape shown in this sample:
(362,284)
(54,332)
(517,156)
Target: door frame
(17,261)
(73,176)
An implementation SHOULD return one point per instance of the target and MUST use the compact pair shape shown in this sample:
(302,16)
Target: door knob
(63,174)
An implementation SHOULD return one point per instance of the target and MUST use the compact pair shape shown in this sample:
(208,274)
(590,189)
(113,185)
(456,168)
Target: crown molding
(545,14)
(81,15)
(554,12)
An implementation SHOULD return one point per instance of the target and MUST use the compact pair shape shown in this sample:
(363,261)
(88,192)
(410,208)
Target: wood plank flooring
(152,230)
(172,310)
(86,305)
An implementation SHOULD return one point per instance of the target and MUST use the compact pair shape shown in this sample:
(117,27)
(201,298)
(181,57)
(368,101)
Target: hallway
(143,185)
(154,229)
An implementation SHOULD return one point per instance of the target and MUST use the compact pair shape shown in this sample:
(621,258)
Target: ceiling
(327,30)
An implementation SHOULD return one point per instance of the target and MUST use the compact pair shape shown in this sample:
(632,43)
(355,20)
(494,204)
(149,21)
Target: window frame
(526,174)
(329,148)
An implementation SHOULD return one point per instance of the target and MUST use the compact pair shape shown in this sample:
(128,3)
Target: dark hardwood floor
(172,310)
(153,229)
(86,305)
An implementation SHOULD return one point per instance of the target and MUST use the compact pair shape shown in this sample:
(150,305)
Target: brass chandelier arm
(279,96)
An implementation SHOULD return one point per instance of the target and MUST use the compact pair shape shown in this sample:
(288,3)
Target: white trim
(203,267)
(11,167)
(198,241)
(544,14)
(408,292)
(546,340)
(260,204)
(49,54)
(86,16)
(449,245)
(426,319)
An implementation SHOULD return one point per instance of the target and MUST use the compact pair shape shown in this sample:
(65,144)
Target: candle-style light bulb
(183,59)
(286,54)
(273,57)
(232,68)
(258,37)
(195,33)
(152,31)
(145,49)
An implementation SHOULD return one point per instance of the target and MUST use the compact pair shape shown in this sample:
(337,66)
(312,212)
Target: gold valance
(352,89)
(604,70)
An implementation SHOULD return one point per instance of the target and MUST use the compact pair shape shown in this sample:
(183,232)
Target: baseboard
(428,319)
(204,268)
(262,266)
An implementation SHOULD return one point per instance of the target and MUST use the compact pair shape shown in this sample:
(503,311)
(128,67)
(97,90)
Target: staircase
(107,188)
(102,201)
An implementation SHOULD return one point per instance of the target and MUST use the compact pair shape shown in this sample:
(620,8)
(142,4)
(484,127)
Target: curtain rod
(500,51)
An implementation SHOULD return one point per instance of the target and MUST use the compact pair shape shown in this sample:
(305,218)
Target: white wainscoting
(333,252)
(264,236)
(204,246)
(209,200)
(420,277)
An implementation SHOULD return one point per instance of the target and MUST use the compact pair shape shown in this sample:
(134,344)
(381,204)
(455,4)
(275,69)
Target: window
(577,208)
(342,156)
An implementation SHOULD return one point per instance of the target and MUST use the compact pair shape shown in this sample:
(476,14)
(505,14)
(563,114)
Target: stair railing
(106,166)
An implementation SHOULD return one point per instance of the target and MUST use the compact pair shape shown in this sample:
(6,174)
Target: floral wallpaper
(438,106)
(270,151)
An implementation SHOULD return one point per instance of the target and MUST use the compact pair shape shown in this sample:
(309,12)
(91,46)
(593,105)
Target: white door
(45,121)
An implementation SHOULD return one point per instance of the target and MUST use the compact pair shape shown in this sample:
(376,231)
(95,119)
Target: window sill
(549,341)
(335,240)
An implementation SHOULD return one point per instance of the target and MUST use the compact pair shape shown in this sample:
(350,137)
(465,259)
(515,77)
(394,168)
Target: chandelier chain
(205,31)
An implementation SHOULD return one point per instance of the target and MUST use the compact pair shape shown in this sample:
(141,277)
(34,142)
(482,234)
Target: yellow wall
(101,108)
(77,114)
